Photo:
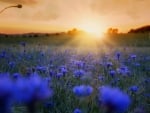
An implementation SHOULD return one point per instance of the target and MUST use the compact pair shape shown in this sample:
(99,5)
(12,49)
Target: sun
(92,27)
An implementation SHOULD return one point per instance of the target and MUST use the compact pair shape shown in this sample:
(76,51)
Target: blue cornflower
(63,70)
(123,70)
(79,64)
(77,110)
(112,73)
(147,80)
(40,87)
(31,90)
(101,78)
(114,99)
(23,44)
(83,90)
(51,73)
(133,56)
(79,73)
(109,64)
(134,89)
(16,75)
(42,54)
(59,75)
(118,54)
(6,90)
(3,54)
(115,81)
(11,64)
(23,90)
(137,64)
(41,68)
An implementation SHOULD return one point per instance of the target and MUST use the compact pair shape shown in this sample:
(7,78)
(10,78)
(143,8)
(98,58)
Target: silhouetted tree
(143,29)
(112,31)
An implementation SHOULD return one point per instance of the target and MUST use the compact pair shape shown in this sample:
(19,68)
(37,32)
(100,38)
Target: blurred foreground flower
(31,90)
(23,90)
(114,99)
(77,111)
(6,90)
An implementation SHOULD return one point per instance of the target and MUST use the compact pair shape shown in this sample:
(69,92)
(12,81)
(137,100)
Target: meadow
(69,74)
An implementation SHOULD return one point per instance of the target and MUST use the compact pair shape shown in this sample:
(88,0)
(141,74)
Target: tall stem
(17,6)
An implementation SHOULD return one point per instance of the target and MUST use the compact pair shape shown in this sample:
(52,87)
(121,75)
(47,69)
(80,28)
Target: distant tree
(47,34)
(115,31)
(112,31)
(35,35)
(6,36)
(30,35)
(74,31)
(144,29)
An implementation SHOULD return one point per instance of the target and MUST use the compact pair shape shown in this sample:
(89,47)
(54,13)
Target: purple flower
(112,73)
(3,54)
(77,111)
(23,90)
(11,64)
(79,73)
(42,54)
(134,89)
(118,55)
(114,99)
(137,64)
(109,64)
(6,90)
(51,73)
(82,90)
(79,64)
(123,71)
(40,87)
(41,68)
(101,78)
(23,44)
(59,75)
(16,75)
(133,56)
(63,70)
(31,90)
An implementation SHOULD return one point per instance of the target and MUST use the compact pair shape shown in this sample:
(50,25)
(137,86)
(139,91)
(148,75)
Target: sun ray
(92,27)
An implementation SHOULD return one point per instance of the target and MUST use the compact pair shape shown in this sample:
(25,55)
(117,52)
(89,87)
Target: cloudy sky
(59,15)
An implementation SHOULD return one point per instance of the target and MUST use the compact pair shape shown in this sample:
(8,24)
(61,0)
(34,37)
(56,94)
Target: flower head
(77,111)
(82,90)
(32,88)
(6,90)
(79,73)
(114,99)
(134,89)
(112,73)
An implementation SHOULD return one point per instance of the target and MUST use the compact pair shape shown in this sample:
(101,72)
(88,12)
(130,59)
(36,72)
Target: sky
(61,15)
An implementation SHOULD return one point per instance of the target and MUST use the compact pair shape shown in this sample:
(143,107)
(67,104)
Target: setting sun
(92,27)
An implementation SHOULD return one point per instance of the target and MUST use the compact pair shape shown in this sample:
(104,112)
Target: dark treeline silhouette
(144,29)
(29,35)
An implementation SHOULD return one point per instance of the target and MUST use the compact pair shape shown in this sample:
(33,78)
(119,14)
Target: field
(68,74)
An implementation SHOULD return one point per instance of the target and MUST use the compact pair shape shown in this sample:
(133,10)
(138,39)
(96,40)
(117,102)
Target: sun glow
(92,27)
